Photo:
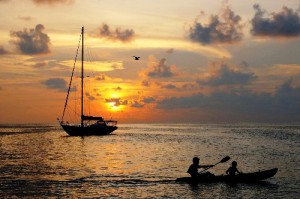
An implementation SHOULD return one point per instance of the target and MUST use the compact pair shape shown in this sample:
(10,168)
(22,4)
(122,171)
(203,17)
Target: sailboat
(89,125)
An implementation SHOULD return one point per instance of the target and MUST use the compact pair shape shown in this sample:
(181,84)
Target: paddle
(222,161)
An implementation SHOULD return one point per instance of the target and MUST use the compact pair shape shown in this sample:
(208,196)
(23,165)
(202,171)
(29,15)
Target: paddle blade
(225,159)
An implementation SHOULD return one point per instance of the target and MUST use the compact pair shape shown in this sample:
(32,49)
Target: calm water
(142,161)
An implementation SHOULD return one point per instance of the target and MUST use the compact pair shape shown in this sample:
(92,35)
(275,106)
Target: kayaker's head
(234,163)
(196,160)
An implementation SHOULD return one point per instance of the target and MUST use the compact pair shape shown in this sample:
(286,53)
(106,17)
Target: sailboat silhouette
(100,126)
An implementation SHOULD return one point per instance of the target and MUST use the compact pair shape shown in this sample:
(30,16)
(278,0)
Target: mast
(82,75)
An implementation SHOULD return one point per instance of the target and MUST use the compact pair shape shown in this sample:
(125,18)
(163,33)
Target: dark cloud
(161,70)
(2,1)
(148,100)
(244,64)
(56,83)
(90,97)
(3,51)
(222,28)
(116,101)
(169,86)
(285,23)
(224,75)
(188,86)
(137,104)
(32,41)
(146,83)
(284,105)
(126,35)
(52,2)
(117,88)
(101,77)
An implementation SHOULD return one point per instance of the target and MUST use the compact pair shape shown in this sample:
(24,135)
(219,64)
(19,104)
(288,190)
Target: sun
(114,103)
(113,106)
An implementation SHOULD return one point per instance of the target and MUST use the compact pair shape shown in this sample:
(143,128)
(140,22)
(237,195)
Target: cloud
(170,50)
(142,103)
(137,104)
(2,1)
(116,101)
(3,51)
(148,100)
(224,28)
(52,2)
(100,77)
(221,75)
(161,70)
(285,23)
(117,88)
(32,41)
(169,86)
(25,18)
(56,83)
(284,105)
(146,83)
(188,86)
(90,97)
(105,32)
(40,65)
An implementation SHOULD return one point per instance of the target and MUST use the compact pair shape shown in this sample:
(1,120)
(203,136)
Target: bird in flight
(136,58)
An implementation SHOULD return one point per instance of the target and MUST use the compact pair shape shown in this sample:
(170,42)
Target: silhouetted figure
(136,58)
(193,169)
(232,170)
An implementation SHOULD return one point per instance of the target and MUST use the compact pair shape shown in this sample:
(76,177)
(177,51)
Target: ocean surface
(143,161)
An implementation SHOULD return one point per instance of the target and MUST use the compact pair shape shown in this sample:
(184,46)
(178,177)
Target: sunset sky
(201,60)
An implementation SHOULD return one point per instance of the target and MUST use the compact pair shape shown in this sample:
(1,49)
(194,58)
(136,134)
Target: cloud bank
(285,23)
(283,105)
(31,42)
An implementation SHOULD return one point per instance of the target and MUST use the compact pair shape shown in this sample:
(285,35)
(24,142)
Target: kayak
(243,177)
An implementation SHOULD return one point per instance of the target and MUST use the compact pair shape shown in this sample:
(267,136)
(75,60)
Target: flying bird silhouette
(136,58)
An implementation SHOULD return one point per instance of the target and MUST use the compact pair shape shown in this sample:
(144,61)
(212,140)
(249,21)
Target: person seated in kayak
(233,170)
(193,169)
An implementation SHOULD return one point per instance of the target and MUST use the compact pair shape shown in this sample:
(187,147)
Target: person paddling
(193,169)
(233,169)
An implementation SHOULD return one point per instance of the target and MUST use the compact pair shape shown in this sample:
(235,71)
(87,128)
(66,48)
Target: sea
(144,160)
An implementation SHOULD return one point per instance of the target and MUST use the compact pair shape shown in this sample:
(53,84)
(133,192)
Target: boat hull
(240,178)
(73,130)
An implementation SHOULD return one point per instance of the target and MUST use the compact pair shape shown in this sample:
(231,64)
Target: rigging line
(62,118)
(73,115)
(89,93)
